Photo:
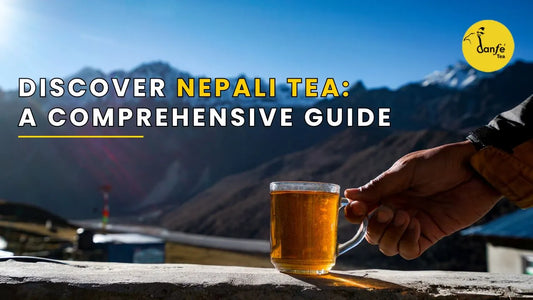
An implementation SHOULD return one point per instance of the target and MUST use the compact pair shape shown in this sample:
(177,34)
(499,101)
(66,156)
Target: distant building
(5,253)
(32,231)
(130,247)
(509,242)
(3,245)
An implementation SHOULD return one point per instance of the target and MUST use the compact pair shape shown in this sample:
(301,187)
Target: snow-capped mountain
(457,76)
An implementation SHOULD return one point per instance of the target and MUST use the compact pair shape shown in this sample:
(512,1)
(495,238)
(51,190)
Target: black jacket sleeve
(508,129)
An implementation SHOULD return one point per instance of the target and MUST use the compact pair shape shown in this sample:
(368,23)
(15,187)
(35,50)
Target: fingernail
(356,210)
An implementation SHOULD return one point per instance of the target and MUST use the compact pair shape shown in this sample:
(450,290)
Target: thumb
(369,196)
(393,181)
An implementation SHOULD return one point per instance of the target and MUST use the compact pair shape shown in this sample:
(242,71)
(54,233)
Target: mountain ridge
(171,165)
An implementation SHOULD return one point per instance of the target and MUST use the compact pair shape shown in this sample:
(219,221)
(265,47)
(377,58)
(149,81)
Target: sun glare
(7,17)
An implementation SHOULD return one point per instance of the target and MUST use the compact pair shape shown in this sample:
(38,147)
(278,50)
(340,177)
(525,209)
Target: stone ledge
(89,280)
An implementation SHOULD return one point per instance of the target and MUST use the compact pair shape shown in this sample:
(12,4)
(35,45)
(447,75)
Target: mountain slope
(171,165)
(238,205)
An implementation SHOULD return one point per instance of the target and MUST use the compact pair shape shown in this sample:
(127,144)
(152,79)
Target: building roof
(23,212)
(518,224)
(126,238)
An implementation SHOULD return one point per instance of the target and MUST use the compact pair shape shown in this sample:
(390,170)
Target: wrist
(468,149)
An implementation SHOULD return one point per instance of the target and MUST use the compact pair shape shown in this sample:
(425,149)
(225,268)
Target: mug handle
(357,238)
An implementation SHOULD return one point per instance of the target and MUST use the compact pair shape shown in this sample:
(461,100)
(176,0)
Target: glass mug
(303,226)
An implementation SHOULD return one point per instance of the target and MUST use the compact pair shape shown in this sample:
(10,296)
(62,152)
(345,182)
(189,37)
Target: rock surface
(89,280)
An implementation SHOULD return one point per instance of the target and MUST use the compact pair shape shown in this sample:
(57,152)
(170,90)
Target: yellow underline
(81,136)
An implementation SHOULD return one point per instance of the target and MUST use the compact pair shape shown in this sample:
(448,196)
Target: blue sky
(387,43)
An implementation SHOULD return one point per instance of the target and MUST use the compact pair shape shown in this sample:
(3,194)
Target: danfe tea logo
(488,46)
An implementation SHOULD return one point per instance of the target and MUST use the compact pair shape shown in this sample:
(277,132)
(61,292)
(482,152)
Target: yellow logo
(488,45)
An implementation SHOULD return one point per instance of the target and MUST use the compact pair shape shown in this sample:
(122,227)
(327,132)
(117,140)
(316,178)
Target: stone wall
(88,280)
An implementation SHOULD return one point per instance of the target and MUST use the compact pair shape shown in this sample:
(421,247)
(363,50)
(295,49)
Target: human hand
(425,196)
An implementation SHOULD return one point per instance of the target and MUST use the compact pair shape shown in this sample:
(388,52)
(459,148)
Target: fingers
(387,228)
(396,233)
(369,197)
(378,223)
(355,211)
(389,243)
(409,245)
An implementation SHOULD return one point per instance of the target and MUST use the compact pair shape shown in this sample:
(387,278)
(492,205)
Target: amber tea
(303,227)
